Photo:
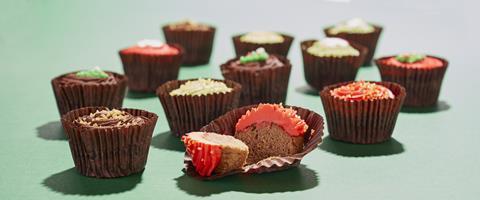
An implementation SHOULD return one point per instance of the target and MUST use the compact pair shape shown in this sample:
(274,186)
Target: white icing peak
(356,22)
(334,42)
(150,43)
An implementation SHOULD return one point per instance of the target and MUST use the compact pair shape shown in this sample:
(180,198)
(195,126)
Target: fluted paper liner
(226,125)
(109,152)
(197,44)
(186,113)
(242,48)
(362,122)
(70,97)
(322,71)
(146,72)
(422,85)
(266,85)
(368,40)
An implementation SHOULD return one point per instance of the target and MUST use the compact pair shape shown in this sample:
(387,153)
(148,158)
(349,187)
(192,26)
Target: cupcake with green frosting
(91,87)
(331,60)
(191,104)
(359,31)
(273,42)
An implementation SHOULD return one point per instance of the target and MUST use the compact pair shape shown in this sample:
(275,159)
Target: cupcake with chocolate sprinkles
(263,76)
(359,31)
(275,43)
(420,74)
(150,63)
(109,143)
(93,87)
(331,60)
(362,112)
(191,104)
(196,39)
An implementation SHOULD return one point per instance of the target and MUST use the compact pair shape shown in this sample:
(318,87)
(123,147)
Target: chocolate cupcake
(421,75)
(275,43)
(195,38)
(362,112)
(89,88)
(150,63)
(359,31)
(191,104)
(263,76)
(331,60)
(109,143)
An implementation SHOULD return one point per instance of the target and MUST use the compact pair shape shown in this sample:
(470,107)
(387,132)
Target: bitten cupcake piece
(271,130)
(215,153)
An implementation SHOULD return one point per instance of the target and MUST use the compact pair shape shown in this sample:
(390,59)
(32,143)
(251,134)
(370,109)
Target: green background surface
(432,156)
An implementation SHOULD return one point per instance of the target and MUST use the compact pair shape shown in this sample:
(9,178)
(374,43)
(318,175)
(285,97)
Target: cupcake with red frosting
(362,112)
(273,42)
(150,63)
(420,74)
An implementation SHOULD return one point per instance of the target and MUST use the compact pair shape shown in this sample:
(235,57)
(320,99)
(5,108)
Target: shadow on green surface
(167,141)
(386,148)
(296,179)
(440,106)
(307,90)
(51,131)
(140,95)
(72,183)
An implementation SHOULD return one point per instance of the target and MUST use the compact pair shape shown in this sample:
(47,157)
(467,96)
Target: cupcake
(263,76)
(93,87)
(421,75)
(215,153)
(109,143)
(276,138)
(196,39)
(359,31)
(150,63)
(362,112)
(275,43)
(331,60)
(191,104)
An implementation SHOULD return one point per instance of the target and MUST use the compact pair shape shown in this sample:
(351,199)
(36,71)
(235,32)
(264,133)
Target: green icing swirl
(410,58)
(201,87)
(332,47)
(92,73)
(353,26)
(255,56)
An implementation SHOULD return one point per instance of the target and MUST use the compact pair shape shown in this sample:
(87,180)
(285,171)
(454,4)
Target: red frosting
(275,113)
(205,157)
(165,50)
(427,63)
(361,90)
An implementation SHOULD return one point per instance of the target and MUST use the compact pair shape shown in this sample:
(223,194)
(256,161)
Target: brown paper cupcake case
(267,85)
(109,152)
(422,85)
(226,125)
(362,122)
(190,113)
(197,44)
(368,40)
(70,97)
(323,71)
(242,48)
(147,72)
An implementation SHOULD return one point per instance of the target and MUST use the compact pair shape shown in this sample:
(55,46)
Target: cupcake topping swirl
(109,118)
(201,87)
(354,26)
(410,57)
(362,91)
(332,46)
(189,25)
(96,72)
(150,43)
(262,37)
(88,77)
(255,56)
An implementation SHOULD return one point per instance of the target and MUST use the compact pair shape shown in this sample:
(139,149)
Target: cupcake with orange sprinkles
(421,75)
(362,112)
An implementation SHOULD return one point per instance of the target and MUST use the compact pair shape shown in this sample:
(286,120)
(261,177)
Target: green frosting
(410,58)
(254,56)
(332,47)
(262,38)
(92,73)
(201,87)
(354,26)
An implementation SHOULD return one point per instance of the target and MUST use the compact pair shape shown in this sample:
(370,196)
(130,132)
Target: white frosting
(334,42)
(150,43)
(356,22)
(261,50)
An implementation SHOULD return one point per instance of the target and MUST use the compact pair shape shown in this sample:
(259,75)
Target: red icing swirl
(73,79)
(275,113)
(164,50)
(362,91)
(427,63)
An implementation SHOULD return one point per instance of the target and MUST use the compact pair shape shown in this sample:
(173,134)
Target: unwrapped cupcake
(196,39)
(274,43)
(263,76)
(93,87)
(331,60)
(150,63)
(359,31)
(420,74)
